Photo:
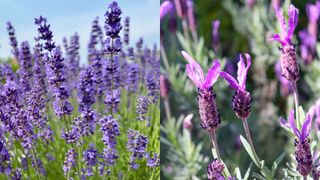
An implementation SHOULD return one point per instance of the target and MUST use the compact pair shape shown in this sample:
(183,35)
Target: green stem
(35,163)
(247,130)
(167,108)
(296,101)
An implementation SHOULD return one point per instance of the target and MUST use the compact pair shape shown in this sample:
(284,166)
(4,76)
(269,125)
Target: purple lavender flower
(13,40)
(285,85)
(152,87)
(165,8)
(16,174)
(25,72)
(110,129)
(214,170)
(215,35)
(95,36)
(5,161)
(87,123)
(142,108)
(137,144)
(73,61)
(39,166)
(113,20)
(39,69)
(153,161)
(86,89)
(289,64)
(70,161)
(242,99)
(132,77)
(8,72)
(57,82)
(302,143)
(112,100)
(126,31)
(97,67)
(209,114)
(191,18)
(90,157)
(71,136)
(45,33)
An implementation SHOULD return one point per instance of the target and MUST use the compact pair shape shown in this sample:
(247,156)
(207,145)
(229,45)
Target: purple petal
(165,7)
(293,124)
(243,70)
(233,83)
(212,76)
(277,37)
(292,21)
(281,21)
(305,128)
(284,123)
(194,71)
(313,12)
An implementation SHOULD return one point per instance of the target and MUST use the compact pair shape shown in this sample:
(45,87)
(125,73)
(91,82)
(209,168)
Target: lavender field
(66,116)
(239,89)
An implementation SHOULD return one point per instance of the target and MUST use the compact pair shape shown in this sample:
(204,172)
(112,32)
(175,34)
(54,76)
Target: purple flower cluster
(137,144)
(126,30)
(90,157)
(96,37)
(142,108)
(70,161)
(86,89)
(13,40)
(25,73)
(45,33)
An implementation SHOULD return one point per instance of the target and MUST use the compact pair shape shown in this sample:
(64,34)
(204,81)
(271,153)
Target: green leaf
(258,176)
(249,150)
(246,176)
(277,162)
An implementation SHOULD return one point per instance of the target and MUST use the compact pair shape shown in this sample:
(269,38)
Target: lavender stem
(35,163)
(215,144)
(167,108)
(247,130)
(296,100)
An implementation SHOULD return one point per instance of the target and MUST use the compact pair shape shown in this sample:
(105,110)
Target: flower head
(313,11)
(214,170)
(286,31)
(195,73)
(165,8)
(240,83)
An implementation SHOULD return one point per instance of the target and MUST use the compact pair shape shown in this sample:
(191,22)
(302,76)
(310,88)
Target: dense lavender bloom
(86,126)
(8,72)
(214,170)
(181,8)
(302,142)
(97,67)
(132,77)
(113,20)
(215,35)
(112,100)
(289,64)
(153,161)
(285,86)
(45,33)
(137,144)
(13,40)
(25,72)
(209,114)
(111,73)
(126,30)
(241,101)
(86,89)
(152,87)
(142,108)
(165,8)
(90,157)
(70,161)
(39,69)
(95,36)
(110,129)
(57,83)
(71,136)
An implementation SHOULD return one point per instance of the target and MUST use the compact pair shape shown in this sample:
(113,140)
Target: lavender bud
(187,123)
(241,104)
(289,63)
(214,170)
(209,114)
(303,157)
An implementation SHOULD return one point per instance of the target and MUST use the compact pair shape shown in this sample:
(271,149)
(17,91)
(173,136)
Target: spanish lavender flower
(165,8)
(241,100)
(13,40)
(112,100)
(142,108)
(289,64)
(57,83)
(70,161)
(45,33)
(181,8)
(95,36)
(110,129)
(132,77)
(153,161)
(285,85)
(209,114)
(137,144)
(302,143)
(126,30)
(215,35)
(152,87)
(164,86)
(86,89)
(25,72)
(214,170)
(90,157)
(191,18)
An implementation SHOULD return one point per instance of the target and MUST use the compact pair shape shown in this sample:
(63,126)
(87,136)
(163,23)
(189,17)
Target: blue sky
(69,16)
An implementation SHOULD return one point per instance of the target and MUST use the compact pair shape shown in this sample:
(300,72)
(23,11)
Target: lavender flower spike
(302,143)
(289,64)
(209,114)
(214,170)
(165,7)
(242,99)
